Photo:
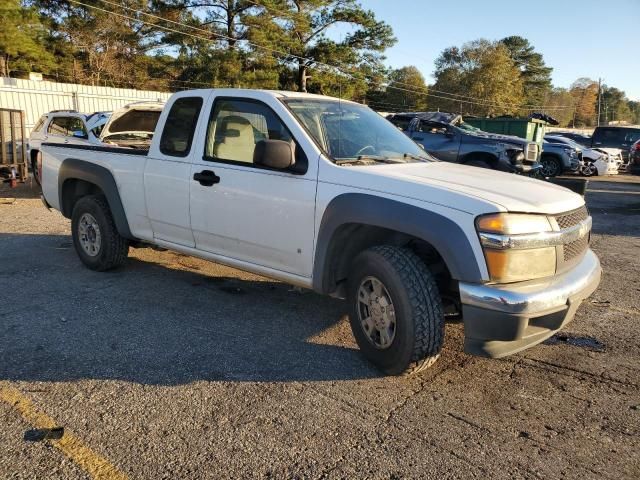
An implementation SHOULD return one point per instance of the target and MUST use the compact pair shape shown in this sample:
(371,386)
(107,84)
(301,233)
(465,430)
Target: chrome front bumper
(503,319)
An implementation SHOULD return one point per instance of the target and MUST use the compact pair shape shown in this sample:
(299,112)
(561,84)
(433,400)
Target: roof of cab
(273,93)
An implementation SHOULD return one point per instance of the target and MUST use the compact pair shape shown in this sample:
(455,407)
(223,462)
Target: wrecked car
(447,137)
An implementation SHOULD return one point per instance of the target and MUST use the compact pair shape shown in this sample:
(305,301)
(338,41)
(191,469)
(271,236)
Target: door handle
(206,178)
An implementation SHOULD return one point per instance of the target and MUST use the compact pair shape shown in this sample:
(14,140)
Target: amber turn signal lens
(506,266)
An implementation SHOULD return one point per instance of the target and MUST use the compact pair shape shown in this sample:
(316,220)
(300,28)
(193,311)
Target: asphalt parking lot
(173,367)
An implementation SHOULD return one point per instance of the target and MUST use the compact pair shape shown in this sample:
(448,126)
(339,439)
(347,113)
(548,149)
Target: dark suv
(448,138)
(616,137)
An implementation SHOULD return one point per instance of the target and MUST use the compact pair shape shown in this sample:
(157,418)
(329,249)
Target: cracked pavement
(173,367)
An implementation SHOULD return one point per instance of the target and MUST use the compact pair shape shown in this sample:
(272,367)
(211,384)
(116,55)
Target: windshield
(348,131)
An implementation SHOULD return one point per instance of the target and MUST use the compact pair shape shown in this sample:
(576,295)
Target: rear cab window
(179,128)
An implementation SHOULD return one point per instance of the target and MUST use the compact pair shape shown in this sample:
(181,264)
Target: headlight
(517,247)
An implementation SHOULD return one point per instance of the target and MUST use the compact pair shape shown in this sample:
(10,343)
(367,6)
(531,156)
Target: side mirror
(275,154)
(80,134)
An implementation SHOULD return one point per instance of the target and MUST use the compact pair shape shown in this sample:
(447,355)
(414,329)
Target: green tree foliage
(483,70)
(299,28)
(405,90)
(559,103)
(282,44)
(614,106)
(22,40)
(536,76)
(634,108)
(585,96)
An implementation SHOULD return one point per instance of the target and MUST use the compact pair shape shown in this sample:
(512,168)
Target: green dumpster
(530,129)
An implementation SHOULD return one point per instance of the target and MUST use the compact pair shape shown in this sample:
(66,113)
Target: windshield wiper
(365,158)
(413,156)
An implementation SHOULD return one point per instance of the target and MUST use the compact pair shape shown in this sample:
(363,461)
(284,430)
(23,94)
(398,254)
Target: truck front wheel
(551,167)
(95,236)
(395,310)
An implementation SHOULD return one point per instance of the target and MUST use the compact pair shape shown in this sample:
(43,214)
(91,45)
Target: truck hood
(505,191)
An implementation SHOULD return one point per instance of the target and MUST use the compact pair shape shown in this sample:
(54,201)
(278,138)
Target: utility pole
(599,99)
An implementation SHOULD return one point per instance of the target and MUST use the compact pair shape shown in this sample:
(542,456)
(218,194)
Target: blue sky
(578,38)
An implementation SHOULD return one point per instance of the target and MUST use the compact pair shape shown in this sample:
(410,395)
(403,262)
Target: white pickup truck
(328,195)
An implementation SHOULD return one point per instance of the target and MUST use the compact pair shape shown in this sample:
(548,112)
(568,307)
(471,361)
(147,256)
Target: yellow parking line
(97,466)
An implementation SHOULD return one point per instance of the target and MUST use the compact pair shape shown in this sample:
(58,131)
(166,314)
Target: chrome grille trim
(572,249)
(574,217)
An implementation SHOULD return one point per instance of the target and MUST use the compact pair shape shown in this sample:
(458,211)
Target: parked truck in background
(327,195)
(447,137)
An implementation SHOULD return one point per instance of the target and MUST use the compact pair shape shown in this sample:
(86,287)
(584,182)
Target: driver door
(248,212)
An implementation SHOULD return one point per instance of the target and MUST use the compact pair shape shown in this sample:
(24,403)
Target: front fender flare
(446,236)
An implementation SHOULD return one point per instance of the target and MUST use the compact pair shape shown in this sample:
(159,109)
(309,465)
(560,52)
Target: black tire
(113,249)
(589,169)
(478,163)
(419,317)
(550,167)
(34,168)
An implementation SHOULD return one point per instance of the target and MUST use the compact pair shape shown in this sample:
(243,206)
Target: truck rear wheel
(395,310)
(95,236)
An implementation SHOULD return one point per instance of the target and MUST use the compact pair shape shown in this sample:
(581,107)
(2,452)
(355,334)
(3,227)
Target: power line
(482,102)
(208,32)
(284,56)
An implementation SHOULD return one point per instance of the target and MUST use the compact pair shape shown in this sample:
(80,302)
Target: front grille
(569,219)
(575,248)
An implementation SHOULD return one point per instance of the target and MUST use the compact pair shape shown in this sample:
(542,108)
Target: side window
(38,126)
(615,135)
(429,127)
(77,126)
(633,136)
(66,126)
(178,131)
(401,122)
(236,126)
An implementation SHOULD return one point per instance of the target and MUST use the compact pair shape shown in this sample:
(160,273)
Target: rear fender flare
(75,169)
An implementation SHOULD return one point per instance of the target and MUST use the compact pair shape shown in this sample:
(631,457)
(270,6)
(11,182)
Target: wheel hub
(89,234)
(376,313)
